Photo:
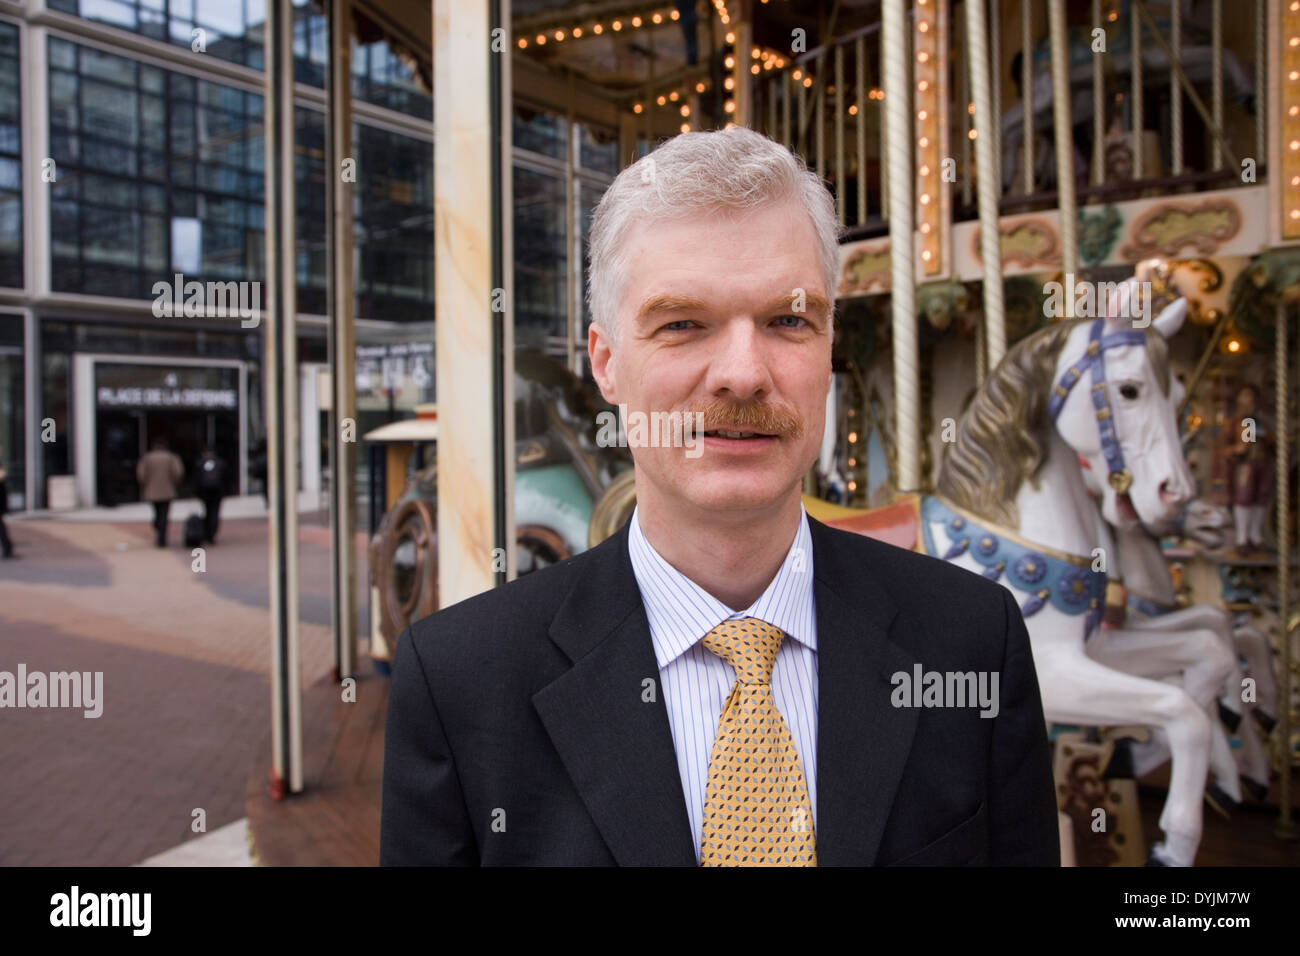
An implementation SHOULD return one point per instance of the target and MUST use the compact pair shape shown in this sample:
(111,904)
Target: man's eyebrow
(812,302)
(670,303)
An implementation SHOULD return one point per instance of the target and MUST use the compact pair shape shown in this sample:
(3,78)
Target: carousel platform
(335,821)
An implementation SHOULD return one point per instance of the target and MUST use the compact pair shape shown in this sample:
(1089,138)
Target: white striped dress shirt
(696,683)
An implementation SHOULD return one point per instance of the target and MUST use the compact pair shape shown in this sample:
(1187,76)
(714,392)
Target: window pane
(538,132)
(541,305)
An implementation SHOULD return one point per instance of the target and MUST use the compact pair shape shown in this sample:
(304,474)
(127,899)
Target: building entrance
(191,407)
(124,436)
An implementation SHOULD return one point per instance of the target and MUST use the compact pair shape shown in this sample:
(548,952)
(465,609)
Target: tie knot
(749,645)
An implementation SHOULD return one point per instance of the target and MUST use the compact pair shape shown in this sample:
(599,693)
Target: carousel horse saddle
(898,523)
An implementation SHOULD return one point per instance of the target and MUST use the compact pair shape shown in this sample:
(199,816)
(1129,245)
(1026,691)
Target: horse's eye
(1129,391)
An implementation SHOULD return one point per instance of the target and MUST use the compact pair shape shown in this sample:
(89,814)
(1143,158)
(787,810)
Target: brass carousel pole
(907,392)
(1285,828)
(989,186)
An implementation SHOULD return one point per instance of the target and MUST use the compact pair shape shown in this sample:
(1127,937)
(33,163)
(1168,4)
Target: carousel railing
(1178,84)
(827,105)
(1185,114)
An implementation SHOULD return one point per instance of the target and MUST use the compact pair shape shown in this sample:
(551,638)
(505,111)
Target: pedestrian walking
(211,483)
(6,545)
(159,473)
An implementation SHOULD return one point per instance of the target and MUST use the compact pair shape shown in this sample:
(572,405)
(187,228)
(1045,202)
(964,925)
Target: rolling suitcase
(193,531)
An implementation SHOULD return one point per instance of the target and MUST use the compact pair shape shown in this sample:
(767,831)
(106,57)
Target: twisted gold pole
(995,321)
(907,399)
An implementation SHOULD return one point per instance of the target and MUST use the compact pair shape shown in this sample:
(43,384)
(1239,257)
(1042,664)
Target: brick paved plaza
(185,658)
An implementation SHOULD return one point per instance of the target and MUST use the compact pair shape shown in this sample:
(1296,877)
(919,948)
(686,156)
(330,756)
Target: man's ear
(600,351)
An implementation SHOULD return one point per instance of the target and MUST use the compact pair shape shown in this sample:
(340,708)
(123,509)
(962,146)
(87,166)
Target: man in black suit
(721,682)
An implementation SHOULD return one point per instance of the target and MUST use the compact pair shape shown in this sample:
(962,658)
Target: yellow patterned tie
(756,806)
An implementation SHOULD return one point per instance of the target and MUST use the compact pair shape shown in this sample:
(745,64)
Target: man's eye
(797,320)
(681,325)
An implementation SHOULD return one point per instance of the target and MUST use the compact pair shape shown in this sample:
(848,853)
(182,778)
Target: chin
(734,493)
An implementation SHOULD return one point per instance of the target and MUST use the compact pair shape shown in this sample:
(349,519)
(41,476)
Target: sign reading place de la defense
(135,397)
(189,388)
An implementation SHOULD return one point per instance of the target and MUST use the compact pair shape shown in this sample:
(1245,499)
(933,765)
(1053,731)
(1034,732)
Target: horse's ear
(1170,319)
(1120,305)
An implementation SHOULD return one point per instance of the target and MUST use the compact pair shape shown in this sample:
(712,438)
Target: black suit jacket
(519,732)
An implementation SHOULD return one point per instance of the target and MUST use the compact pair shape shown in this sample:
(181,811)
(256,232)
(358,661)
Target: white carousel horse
(1012,505)
(1191,645)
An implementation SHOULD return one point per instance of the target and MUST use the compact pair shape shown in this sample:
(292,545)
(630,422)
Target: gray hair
(734,168)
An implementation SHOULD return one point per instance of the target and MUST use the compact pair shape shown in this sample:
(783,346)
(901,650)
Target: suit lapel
(616,746)
(863,741)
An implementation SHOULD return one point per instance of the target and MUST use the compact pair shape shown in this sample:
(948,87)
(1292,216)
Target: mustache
(766,418)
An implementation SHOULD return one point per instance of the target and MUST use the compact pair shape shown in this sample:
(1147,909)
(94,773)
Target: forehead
(718,252)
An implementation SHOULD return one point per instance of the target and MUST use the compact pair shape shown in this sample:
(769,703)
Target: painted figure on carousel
(1246,457)
(1087,796)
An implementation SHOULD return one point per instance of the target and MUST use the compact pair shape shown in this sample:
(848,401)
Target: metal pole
(572,231)
(801,115)
(785,81)
(1135,91)
(819,117)
(342,344)
(1098,107)
(860,97)
(1261,91)
(742,95)
(1027,92)
(770,92)
(990,235)
(1175,90)
(839,133)
(1064,144)
(1285,828)
(1216,78)
(995,74)
(907,397)
(967,120)
(280,371)
(884,136)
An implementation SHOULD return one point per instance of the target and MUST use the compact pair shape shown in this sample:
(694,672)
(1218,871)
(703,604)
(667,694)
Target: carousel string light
(928,37)
(1289,56)
(597,28)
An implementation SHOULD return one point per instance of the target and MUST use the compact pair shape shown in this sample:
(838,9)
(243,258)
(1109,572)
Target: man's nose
(739,366)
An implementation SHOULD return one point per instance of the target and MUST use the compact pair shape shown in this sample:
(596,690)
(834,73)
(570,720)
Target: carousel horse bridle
(1094,360)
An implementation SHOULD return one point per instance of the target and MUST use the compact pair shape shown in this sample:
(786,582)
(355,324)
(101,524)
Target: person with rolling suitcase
(211,483)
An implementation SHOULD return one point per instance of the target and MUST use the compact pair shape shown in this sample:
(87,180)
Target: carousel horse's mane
(1002,436)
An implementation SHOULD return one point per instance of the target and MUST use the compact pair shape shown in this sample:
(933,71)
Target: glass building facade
(155,169)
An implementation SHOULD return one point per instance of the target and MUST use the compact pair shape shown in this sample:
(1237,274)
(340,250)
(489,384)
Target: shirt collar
(681,612)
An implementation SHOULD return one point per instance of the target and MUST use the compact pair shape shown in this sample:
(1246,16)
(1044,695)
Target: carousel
(1065,360)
